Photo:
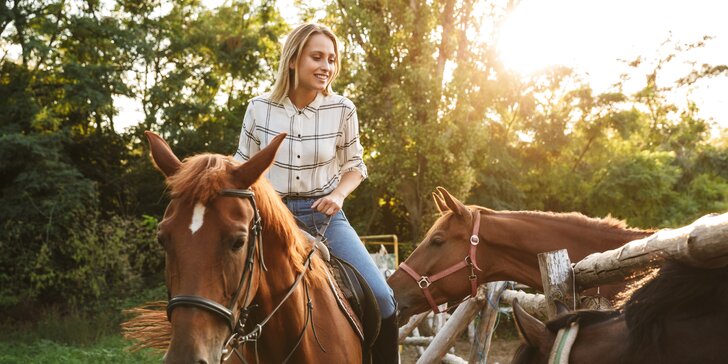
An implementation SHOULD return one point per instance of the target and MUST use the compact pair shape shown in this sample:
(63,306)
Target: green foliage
(638,186)
(45,201)
(55,247)
(69,253)
(419,126)
(74,191)
(198,68)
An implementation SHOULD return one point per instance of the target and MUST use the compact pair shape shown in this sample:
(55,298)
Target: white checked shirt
(322,143)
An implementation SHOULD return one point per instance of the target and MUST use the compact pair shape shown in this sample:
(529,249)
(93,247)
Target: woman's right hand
(329,204)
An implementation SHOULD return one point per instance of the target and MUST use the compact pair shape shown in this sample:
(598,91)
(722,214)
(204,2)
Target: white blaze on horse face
(198,215)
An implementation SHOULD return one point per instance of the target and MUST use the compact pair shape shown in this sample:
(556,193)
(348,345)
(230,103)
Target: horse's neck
(279,278)
(513,242)
(281,332)
(536,233)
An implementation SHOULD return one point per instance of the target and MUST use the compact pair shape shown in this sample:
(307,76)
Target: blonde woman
(320,162)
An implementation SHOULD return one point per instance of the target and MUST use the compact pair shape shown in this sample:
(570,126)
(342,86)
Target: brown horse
(470,245)
(677,316)
(227,296)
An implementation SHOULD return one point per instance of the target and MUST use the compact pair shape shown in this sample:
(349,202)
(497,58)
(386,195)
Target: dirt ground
(501,351)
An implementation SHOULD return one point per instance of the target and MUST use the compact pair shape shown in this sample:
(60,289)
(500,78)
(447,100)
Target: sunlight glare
(594,37)
(540,34)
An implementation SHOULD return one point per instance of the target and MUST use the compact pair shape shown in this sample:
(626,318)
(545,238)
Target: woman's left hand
(329,204)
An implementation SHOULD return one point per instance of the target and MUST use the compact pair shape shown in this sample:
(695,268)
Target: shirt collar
(307,111)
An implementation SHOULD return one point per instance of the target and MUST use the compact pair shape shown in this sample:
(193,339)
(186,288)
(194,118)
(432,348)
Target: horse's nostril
(202,361)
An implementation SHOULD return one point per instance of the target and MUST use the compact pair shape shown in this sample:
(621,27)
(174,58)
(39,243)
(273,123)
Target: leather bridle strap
(238,337)
(203,303)
(470,260)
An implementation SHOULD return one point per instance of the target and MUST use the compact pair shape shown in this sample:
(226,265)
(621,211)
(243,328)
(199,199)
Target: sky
(592,36)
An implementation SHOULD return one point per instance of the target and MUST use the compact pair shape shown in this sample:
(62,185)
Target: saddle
(354,296)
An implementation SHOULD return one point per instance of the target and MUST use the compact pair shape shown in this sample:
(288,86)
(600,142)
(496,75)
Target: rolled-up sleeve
(249,144)
(349,151)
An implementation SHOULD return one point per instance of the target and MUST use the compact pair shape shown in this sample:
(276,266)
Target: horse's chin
(201,345)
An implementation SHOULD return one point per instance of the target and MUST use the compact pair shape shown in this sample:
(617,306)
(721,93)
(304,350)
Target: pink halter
(424,281)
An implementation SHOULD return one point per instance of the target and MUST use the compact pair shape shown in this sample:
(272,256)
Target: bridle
(238,336)
(470,261)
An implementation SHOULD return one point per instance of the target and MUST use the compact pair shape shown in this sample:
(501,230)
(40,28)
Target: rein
(237,335)
(237,338)
(470,261)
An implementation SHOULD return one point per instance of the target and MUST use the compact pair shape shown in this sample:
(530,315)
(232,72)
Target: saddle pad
(359,297)
(344,305)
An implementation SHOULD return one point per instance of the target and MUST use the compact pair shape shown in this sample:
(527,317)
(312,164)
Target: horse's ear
(441,205)
(532,331)
(249,172)
(453,204)
(561,308)
(162,154)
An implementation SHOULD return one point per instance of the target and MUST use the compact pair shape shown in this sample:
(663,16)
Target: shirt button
(297,177)
(299,135)
(299,156)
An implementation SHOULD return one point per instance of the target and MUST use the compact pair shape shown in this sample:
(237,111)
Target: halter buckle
(474,240)
(424,282)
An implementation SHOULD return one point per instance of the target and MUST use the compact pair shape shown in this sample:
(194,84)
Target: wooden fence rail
(703,243)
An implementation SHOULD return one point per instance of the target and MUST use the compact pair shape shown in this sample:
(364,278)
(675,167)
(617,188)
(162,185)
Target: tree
(73,190)
(421,84)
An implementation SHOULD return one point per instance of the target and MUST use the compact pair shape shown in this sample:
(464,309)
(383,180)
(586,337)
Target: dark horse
(227,296)
(679,315)
(470,245)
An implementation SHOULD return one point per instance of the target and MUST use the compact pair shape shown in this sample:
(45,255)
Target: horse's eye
(437,241)
(239,241)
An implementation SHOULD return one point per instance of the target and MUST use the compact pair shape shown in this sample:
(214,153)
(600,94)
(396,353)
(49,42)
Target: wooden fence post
(455,325)
(413,322)
(488,317)
(558,280)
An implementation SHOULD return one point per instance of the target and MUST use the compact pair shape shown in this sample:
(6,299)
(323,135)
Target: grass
(57,336)
(106,350)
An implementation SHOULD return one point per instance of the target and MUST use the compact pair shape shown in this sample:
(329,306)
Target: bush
(55,247)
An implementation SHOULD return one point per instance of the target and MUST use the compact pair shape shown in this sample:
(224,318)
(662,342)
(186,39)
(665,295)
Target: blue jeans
(345,244)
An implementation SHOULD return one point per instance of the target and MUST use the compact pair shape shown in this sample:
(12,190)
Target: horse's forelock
(200,178)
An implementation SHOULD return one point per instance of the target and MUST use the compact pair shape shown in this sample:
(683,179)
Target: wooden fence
(703,243)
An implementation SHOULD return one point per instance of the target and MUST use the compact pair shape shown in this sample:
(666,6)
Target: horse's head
(442,257)
(209,237)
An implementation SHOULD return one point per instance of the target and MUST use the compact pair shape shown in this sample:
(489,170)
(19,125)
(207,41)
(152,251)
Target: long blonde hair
(292,53)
